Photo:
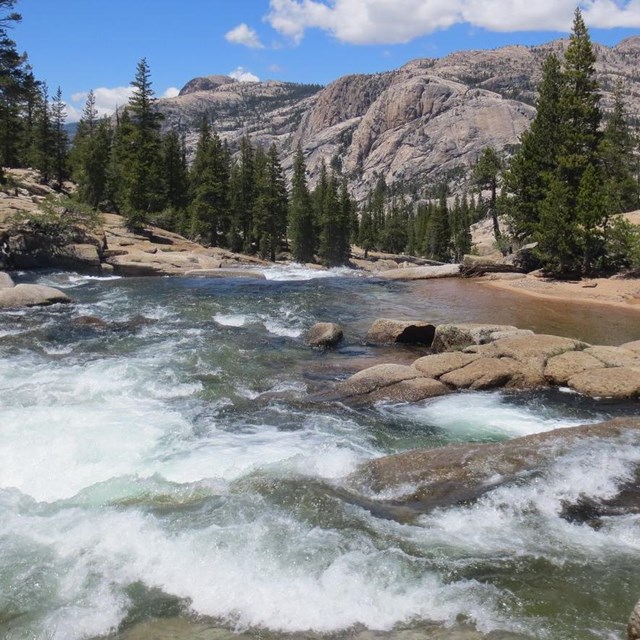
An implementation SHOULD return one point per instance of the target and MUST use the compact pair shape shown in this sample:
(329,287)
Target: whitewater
(162,468)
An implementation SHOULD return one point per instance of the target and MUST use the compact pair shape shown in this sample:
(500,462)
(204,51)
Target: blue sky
(92,44)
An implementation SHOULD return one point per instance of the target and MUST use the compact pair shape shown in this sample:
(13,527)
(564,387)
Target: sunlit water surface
(165,467)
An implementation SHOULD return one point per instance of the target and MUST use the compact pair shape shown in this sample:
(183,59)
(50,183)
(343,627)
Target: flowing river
(162,477)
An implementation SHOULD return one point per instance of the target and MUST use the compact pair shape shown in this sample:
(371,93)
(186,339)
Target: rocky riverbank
(106,246)
(482,357)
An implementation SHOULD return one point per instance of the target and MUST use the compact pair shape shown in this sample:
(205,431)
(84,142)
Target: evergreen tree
(591,206)
(271,206)
(536,160)
(120,160)
(333,244)
(143,187)
(44,144)
(579,107)
(439,230)
(557,231)
(13,73)
(209,187)
(486,175)
(617,156)
(174,171)
(60,141)
(301,223)
(92,161)
(243,196)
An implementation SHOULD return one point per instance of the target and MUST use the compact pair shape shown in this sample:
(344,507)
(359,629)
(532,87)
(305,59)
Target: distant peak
(205,83)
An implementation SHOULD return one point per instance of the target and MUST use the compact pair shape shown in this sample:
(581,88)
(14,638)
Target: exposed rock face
(110,247)
(30,295)
(324,334)
(425,120)
(385,331)
(449,475)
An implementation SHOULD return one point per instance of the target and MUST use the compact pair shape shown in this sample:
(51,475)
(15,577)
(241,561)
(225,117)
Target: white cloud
(107,99)
(398,21)
(275,68)
(243,34)
(242,75)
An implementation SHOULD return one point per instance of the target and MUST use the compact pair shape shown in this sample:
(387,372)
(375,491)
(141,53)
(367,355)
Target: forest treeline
(574,169)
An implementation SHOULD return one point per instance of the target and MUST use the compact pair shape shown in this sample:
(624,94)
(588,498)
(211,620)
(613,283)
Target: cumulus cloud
(242,75)
(107,99)
(243,34)
(398,21)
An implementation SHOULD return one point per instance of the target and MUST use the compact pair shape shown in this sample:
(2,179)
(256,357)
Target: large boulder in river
(560,368)
(610,382)
(492,373)
(533,350)
(449,475)
(452,337)
(438,364)
(30,295)
(6,281)
(422,273)
(385,331)
(324,334)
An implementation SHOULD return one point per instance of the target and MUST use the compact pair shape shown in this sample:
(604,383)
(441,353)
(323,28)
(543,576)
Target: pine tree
(209,188)
(591,207)
(174,171)
(44,149)
(60,139)
(439,230)
(143,190)
(617,156)
(557,233)
(579,106)
(13,73)
(301,223)
(486,175)
(271,206)
(536,160)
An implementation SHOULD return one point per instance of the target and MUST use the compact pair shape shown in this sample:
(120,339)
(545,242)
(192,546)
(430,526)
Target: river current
(161,475)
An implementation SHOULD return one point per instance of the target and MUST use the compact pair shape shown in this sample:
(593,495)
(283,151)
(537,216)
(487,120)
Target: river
(162,477)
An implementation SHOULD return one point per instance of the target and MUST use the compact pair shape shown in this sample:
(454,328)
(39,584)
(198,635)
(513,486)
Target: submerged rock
(385,331)
(458,473)
(324,334)
(30,295)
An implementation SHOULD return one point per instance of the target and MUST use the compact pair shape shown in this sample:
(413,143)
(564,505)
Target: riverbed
(161,472)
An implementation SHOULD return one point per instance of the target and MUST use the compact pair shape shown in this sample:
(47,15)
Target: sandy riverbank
(623,293)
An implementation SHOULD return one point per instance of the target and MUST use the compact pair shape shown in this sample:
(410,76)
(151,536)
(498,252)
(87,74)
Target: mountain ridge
(424,122)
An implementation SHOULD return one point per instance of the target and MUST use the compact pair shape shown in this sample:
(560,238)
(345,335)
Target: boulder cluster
(27,295)
(481,357)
